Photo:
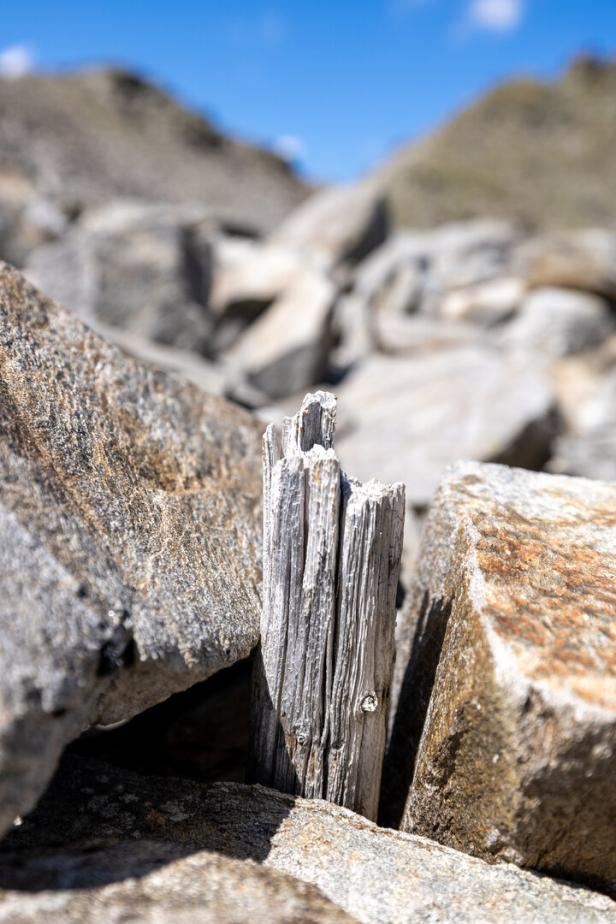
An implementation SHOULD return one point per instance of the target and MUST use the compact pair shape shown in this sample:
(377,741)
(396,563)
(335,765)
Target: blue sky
(337,83)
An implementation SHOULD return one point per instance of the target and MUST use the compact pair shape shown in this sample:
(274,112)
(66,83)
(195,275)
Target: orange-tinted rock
(518,752)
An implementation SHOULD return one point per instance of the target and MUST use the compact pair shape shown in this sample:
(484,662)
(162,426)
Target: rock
(485,303)
(339,224)
(468,252)
(26,218)
(412,270)
(583,260)
(515,596)
(361,330)
(392,278)
(287,349)
(376,875)
(248,277)
(421,334)
(354,330)
(586,390)
(591,453)
(556,322)
(130,533)
(405,419)
(149,882)
(250,273)
(140,267)
(92,136)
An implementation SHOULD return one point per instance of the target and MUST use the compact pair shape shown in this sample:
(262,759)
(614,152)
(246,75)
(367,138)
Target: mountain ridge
(537,152)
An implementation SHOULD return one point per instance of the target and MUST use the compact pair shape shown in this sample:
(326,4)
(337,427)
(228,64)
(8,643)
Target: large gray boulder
(376,875)
(413,272)
(557,322)
(515,649)
(406,418)
(130,536)
(140,267)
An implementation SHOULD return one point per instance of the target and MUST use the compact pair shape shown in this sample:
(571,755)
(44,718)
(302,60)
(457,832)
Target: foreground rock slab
(129,536)
(376,875)
(516,600)
(146,882)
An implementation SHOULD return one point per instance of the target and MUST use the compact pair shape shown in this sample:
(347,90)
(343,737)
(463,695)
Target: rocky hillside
(78,139)
(535,152)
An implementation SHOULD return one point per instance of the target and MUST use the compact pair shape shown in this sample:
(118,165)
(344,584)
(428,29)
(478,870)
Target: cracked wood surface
(332,551)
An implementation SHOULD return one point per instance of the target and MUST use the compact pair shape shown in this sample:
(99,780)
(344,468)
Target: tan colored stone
(287,348)
(337,224)
(487,303)
(516,605)
(583,260)
(249,273)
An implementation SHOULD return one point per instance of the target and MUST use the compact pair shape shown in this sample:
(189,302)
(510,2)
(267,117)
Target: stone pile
(130,561)
(468,330)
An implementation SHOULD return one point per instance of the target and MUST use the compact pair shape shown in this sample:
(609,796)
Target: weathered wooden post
(331,557)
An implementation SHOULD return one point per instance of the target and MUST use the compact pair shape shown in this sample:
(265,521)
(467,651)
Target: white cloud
(496,15)
(16,61)
(291,147)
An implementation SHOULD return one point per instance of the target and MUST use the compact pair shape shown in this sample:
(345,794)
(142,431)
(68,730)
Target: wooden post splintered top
(313,425)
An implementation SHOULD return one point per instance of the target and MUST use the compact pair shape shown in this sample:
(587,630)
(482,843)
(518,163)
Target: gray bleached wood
(332,551)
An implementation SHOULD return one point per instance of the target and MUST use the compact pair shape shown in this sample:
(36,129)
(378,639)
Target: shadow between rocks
(114,810)
(200,734)
(97,824)
(415,693)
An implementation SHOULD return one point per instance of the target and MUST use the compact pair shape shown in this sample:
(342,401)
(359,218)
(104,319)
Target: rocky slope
(74,140)
(532,151)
